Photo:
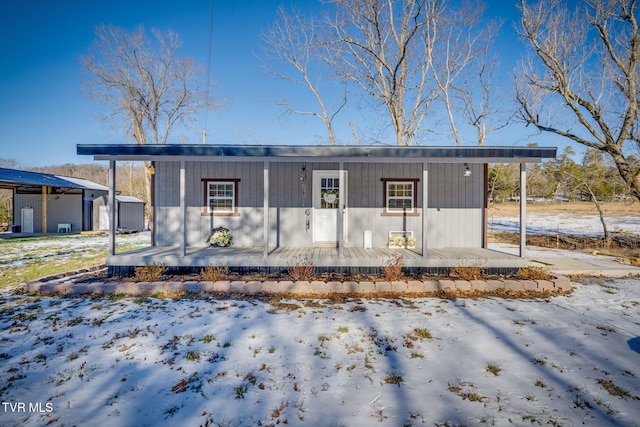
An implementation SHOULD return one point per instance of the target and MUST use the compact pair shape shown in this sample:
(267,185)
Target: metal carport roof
(15,178)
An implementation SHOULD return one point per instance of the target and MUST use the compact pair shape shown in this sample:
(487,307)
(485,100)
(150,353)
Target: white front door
(27,220)
(327,201)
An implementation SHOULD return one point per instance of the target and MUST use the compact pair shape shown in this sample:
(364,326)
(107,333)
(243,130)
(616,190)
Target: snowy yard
(29,258)
(565,360)
(565,223)
(561,361)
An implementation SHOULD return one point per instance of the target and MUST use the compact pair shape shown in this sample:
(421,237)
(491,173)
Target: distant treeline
(562,178)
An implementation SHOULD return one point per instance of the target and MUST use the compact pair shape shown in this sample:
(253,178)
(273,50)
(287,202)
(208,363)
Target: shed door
(326,202)
(103,218)
(27,220)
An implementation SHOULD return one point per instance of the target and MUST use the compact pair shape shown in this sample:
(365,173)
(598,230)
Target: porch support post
(265,210)
(425,205)
(44,209)
(112,207)
(341,208)
(183,209)
(523,209)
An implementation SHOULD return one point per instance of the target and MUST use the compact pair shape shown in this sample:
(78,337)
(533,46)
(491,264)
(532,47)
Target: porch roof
(357,153)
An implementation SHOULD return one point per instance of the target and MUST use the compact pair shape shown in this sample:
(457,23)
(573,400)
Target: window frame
(206,211)
(414,197)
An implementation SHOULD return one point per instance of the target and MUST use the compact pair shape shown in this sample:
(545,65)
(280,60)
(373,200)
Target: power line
(208,85)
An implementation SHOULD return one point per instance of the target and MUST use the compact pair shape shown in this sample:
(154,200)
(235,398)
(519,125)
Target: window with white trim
(221,197)
(400,197)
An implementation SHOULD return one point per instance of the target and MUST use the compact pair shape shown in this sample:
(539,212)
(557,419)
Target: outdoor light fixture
(467,170)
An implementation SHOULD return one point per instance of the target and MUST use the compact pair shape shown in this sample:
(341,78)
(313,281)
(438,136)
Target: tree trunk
(631,178)
(600,212)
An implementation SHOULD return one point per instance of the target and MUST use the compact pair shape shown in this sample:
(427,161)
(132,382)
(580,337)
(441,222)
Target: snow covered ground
(573,224)
(61,247)
(566,360)
(562,361)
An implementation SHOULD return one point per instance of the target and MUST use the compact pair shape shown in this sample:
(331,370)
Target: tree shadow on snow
(634,344)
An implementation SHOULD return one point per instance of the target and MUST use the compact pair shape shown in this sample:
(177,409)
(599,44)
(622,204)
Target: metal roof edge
(191,150)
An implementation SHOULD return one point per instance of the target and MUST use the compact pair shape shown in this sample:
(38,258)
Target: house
(339,206)
(46,203)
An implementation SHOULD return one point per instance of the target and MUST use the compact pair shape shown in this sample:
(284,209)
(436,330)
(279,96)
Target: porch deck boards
(252,256)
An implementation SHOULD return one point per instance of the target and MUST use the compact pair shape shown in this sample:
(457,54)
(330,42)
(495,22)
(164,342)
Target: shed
(129,213)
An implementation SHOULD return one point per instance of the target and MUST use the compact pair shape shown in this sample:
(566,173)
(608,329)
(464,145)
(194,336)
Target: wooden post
(523,209)
(44,210)
(265,210)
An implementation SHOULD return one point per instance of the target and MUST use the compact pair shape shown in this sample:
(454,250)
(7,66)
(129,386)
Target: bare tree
(462,67)
(380,45)
(404,55)
(479,97)
(143,82)
(293,39)
(582,79)
(409,54)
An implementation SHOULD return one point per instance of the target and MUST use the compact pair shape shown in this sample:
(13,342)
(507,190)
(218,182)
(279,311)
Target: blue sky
(43,113)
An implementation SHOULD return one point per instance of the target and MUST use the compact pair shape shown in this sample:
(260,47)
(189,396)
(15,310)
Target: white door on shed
(327,200)
(103,218)
(27,220)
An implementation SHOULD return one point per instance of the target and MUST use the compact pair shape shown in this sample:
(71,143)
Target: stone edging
(68,287)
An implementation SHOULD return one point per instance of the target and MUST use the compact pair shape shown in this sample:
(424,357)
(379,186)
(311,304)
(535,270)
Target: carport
(48,203)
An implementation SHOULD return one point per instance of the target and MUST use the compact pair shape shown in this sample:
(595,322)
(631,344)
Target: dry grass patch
(614,390)
(392,268)
(148,273)
(467,272)
(533,273)
(394,378)
(213,273)
(467,391)
(301,268)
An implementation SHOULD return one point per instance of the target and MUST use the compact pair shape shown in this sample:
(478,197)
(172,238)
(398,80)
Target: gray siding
(61,208)
(455,206)
(131,215)
(454,214)
(128,214)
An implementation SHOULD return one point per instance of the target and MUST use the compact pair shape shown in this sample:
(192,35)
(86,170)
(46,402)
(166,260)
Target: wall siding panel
(453,217)
(61,208)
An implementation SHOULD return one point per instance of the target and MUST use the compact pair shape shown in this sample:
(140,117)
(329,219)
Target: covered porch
(271,196)
(353,259)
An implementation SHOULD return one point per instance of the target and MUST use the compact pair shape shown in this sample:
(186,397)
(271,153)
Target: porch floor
(252,256)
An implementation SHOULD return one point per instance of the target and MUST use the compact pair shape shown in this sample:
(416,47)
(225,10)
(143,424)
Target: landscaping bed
(151,280)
